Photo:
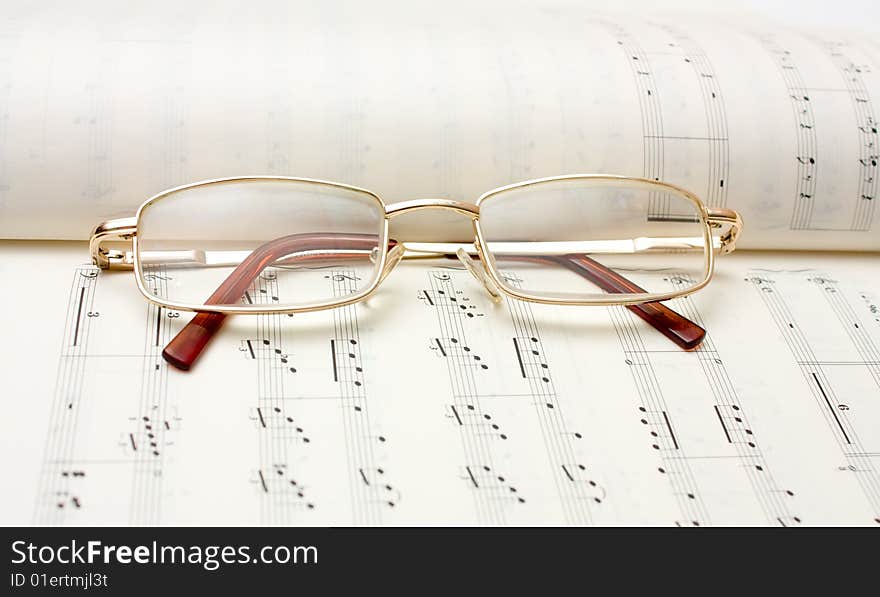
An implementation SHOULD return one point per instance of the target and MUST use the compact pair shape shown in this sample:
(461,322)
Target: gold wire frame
(604,299)
(319,306)
(126,229)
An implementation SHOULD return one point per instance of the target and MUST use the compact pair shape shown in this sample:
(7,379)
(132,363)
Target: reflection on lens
(260,243)
(576,239)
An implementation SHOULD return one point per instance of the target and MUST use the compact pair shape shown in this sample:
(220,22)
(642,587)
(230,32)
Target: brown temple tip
(681,330)
(685,333)
(189,343)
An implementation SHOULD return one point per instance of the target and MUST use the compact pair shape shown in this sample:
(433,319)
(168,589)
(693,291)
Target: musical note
(374,479)
(468,415)
(146,436)
(276,480)
(456,299)
(530,358)
(276,418)
(452,348)
(483,478)
(732,423)
(265,349)
(660,429)
(68,500)
(344,355)
(577,474)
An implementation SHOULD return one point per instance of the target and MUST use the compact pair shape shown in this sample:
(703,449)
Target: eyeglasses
(202,247)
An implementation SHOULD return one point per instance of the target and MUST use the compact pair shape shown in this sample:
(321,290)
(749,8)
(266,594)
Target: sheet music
(430,404)
(780,124)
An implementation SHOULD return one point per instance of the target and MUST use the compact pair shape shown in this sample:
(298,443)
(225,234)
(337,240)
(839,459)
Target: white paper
(770,422)
(106,107)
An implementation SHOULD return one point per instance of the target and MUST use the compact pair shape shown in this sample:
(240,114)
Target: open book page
(777,123)
(430,404)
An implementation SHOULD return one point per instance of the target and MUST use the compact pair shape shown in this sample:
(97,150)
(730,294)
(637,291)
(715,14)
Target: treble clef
(759,281)
(343,277)
(678,280)
(511,279)
(152,277)
(827,282)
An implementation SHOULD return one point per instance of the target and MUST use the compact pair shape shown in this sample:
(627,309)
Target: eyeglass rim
(473,210)
(369,289)
(599,299)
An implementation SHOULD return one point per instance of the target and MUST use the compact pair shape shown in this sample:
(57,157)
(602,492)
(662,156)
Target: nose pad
(394,257)
(480,274)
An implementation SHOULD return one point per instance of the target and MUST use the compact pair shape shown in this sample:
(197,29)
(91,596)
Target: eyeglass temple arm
(681,330)
(185,348)
(188,344)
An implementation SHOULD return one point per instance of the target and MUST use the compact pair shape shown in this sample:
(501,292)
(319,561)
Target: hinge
(110,244)
(721,218)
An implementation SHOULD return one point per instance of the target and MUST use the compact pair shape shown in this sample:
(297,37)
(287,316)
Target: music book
(456,410)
